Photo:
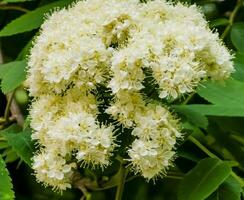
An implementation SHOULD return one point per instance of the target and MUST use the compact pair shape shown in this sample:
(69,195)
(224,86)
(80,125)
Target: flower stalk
(232,18)
(120,188)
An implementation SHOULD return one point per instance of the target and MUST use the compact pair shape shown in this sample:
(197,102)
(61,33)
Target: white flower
(125,107)
(149,158)
(117,45)
(53,169)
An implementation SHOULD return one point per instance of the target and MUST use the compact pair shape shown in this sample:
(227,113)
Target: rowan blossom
(112,44)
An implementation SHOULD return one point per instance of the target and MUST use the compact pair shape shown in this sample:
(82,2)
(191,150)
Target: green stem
(10,98)
(170,175)
(200,146)
(8,7)
(188,98)
(120,187)
(232,18)
(210,154)
(174,177)
(97,188)
(238,139)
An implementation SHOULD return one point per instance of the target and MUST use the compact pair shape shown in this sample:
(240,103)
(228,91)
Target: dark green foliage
(202,180)
(229,190)
(6,192)
(20,142)
(12,75)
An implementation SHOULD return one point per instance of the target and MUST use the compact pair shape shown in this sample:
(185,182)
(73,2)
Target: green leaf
(219,22)
(11,129)
(229,190)
(6,192)
(237,35)
(226,99)
(203,179)
(239,67)
(11,157)
(217,110)
(31,20)
(195,117)
(21,143)
(12,75)
(227,94)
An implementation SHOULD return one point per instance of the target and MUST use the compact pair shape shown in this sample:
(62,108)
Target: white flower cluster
(65,127)
(112,43)
(155,129)
(53,170)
